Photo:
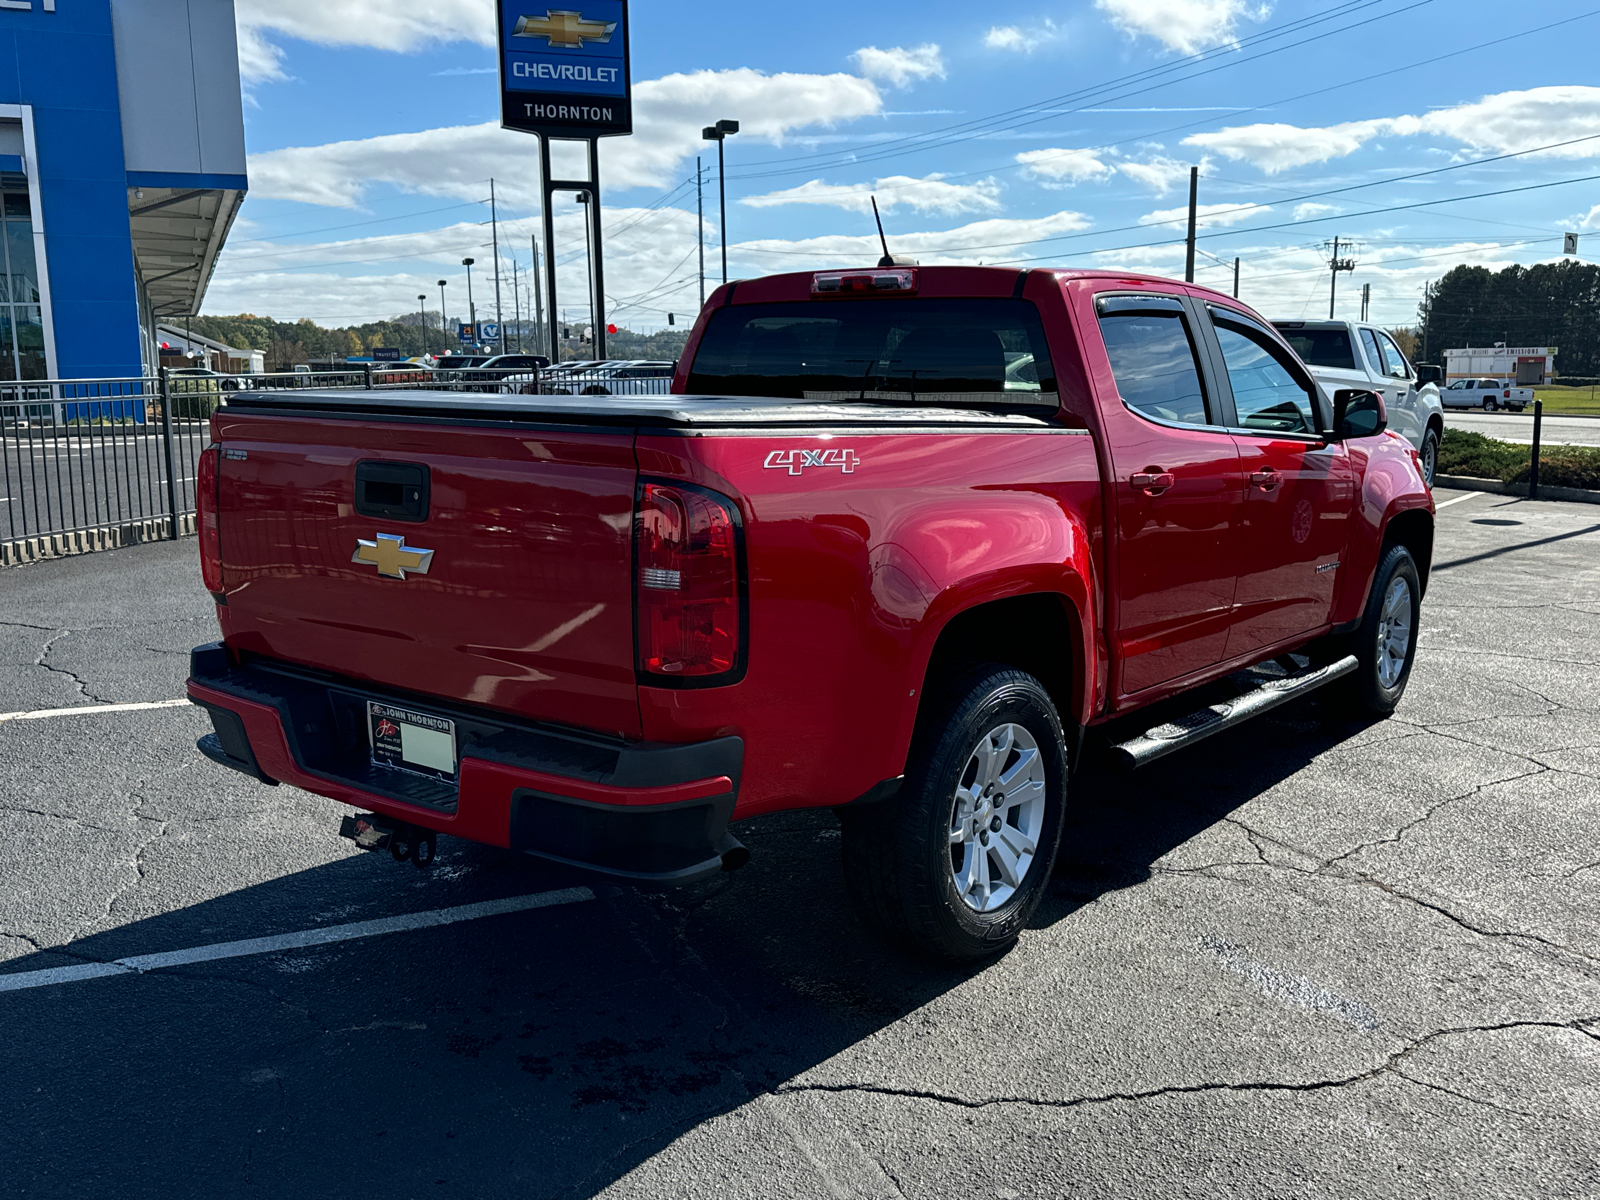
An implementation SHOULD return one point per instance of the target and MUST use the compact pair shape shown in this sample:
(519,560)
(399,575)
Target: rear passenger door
(1177,488)
(1299,488)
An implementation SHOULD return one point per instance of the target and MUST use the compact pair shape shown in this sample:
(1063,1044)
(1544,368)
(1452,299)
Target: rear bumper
(636,811)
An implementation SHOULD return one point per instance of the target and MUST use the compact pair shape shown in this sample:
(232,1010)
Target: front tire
(1430,455)
(955,865)
(1385,645)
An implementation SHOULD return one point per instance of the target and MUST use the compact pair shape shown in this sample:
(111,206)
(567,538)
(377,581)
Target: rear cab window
(1330,347)
(986,352)
(1153,357)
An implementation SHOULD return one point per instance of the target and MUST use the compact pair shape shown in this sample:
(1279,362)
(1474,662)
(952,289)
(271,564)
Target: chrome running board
(1260,695)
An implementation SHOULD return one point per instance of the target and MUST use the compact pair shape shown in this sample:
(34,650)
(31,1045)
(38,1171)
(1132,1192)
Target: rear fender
(1002,547)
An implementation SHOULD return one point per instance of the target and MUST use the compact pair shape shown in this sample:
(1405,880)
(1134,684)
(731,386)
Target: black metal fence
(89,464)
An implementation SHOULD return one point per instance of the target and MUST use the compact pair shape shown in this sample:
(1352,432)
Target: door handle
(1154,482)
(1267,479)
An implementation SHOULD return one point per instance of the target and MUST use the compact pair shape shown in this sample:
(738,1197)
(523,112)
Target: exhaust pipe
(732,852)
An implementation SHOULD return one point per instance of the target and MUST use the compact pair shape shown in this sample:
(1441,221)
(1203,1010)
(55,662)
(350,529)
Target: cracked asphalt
(1308,958)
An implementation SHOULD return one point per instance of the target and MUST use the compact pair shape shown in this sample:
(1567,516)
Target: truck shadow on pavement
(539,1054)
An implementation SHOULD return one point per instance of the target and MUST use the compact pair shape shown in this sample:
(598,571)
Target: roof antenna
(888,259)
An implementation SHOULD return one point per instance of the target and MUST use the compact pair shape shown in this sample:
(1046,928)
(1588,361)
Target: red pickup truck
(896,541)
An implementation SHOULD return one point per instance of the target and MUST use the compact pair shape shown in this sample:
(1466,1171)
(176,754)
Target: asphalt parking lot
(1308,958)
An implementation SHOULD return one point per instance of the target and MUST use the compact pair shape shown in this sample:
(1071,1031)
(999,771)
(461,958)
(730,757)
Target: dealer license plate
(412,741)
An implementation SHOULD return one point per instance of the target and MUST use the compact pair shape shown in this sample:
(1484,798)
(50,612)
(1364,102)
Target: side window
(1394,362)
(1266,394)
(1374,355)
(1153,357)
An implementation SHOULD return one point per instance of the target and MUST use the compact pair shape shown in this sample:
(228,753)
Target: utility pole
(718,133)
(516,302)
(1235,278)
(494,224)
(472,309)
(538,302)
(1337,264)
(700,217)
(1194,196)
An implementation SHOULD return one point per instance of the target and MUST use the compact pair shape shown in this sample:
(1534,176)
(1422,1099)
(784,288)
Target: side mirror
(1357,414)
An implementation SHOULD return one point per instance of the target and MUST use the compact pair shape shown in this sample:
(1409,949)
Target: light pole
(422,311)
(588,241)
(444,336)
(472,309)
(718,133)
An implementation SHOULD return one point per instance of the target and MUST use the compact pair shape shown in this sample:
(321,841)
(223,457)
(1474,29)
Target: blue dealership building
(122,168)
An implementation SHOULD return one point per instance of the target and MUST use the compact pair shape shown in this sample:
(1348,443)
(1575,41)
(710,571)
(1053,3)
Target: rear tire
(1491,406)
(1385,644)
(955,865)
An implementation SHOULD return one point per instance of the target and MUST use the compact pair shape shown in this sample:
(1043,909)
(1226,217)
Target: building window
(21,318)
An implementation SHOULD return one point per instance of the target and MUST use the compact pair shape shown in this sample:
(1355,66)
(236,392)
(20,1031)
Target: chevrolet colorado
(897,541)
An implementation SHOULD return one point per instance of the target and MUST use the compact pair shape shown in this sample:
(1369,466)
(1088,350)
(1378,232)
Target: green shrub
(1479,457)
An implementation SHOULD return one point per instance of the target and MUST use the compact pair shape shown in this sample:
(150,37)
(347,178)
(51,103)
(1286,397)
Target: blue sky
(1040,133)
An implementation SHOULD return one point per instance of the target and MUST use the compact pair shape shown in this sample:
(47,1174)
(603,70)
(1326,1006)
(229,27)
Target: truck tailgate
(525,604)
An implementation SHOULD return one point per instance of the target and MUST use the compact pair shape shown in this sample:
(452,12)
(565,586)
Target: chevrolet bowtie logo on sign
(392,556)
(565,29)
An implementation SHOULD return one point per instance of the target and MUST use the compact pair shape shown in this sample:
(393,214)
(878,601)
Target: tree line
(289,343)
(1551,304)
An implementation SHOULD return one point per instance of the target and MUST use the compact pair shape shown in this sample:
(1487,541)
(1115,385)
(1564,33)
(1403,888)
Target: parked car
(195,379)
(630,377)
(843,566)
(1491,395)
(402,373)
(1346,354)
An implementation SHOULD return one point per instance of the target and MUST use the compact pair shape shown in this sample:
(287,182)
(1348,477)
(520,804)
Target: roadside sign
(564,72)
(1569,244)
(467,333)
(385,354)
(488,331)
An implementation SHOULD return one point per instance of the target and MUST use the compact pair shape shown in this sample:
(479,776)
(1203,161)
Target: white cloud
(1592,221)
(1206,215)
(668,116)
(1183,25)
(379,24)
(1279,282)
(1276,147)
(1015,38)
(1304,212)
(1502,123)
(900,66)
(649,265)
(259,60)
(928,194)
(1161,174)
(1065,168)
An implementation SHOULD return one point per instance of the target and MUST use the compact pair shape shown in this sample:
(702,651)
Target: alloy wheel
(996,817)
(1394,633)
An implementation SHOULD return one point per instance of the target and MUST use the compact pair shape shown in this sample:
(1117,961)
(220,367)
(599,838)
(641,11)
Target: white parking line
(1459,500)
(140,963)
(80,710)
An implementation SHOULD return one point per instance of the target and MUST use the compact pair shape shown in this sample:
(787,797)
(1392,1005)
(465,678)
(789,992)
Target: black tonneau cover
(625,411)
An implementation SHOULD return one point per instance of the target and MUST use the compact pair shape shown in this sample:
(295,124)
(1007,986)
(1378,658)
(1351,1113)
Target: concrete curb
(1465,483)
(87,541)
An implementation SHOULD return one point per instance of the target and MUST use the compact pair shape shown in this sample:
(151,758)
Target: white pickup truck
(1352,354)
(1491,395)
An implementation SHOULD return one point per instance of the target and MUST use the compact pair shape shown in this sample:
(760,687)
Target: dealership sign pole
(564,73)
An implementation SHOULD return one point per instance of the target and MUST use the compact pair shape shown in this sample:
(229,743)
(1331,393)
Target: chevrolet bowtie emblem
(565,29)
(392,556)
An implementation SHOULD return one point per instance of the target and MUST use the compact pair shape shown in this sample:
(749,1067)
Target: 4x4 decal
(796,461)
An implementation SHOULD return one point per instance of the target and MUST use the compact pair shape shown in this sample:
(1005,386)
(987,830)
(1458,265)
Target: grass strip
(1465,453)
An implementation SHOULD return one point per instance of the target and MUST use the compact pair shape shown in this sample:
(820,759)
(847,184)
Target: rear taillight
(689,593)
(205,508)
